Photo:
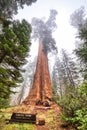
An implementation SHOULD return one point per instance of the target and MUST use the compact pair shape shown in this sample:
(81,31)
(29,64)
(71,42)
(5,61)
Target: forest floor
(52,117)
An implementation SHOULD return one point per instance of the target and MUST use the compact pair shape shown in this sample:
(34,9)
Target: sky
(65,34)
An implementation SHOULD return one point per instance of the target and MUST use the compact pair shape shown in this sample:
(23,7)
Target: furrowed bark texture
(41,88)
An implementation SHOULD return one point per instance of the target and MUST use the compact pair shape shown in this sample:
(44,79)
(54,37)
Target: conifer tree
(70,69)
(10,7)
(14,45)
(81,48)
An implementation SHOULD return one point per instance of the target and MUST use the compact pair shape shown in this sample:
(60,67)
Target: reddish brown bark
(41,88)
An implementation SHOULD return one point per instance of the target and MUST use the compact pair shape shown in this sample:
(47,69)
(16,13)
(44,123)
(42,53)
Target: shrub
(74,106)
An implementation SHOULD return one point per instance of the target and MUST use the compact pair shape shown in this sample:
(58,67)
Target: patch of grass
(50,116)
(50,119)
(19,127)
(14,126)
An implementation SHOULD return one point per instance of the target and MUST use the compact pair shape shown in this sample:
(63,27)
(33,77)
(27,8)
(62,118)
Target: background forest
(69,73)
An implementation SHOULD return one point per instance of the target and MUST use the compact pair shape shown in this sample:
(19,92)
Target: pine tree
(13,50)
(70,69)
(65,75)
(81,49)
(59,77)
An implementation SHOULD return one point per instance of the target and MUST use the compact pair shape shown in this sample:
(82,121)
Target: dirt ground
(53,119)
(51,115)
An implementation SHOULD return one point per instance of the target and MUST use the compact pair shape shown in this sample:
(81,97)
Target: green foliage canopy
(43,30)
(10,7)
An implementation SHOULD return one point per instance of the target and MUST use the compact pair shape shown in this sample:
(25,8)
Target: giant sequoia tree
(41,92)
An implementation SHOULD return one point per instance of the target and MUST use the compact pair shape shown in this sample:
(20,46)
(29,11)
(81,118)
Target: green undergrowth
(74,106)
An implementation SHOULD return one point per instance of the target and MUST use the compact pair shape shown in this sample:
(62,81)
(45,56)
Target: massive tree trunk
(40,91)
